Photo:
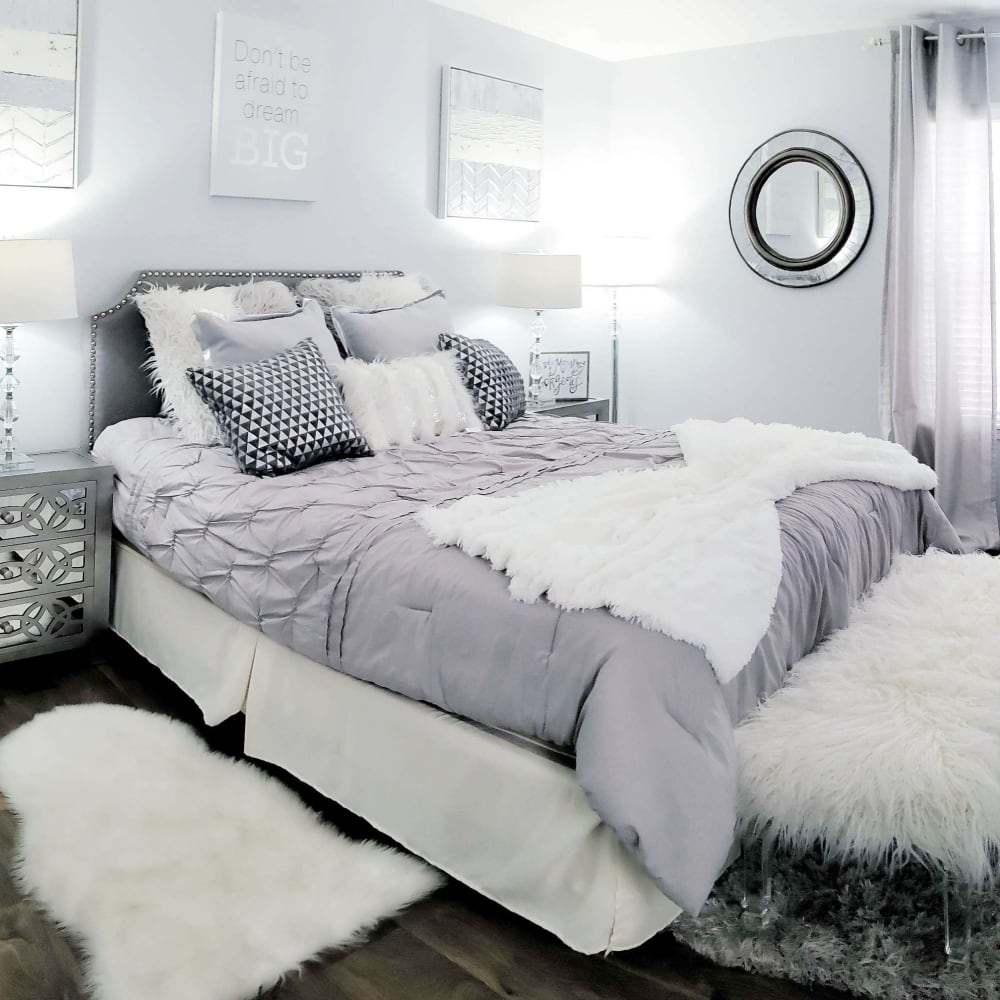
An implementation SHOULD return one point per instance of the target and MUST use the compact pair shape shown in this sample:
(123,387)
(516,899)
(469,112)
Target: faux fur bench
(884,745)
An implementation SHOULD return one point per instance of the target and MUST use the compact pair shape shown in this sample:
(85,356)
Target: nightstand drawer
(44,623)
(39,567)
(48,511)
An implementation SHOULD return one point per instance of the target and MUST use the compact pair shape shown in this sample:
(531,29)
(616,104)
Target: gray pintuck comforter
(330,562)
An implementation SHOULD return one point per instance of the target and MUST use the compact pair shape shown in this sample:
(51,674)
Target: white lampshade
(540,281)
(621,262)
(37,281)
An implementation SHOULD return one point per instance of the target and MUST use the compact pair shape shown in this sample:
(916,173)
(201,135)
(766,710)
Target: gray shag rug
(871,933)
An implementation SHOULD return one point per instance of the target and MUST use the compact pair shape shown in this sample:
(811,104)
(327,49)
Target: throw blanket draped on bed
(333,562)
(677,549)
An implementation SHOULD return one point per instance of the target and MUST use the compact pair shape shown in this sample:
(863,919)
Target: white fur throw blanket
(677,548)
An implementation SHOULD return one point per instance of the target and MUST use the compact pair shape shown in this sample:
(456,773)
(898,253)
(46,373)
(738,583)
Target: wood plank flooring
(453,946)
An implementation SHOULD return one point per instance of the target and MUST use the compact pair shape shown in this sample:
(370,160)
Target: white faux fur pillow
(409,399)
(370,291)
(169,313)
(264,298)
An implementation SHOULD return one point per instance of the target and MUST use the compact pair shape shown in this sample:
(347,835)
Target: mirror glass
(799,210)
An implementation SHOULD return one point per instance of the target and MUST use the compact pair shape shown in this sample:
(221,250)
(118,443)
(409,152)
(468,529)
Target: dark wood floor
(454,946)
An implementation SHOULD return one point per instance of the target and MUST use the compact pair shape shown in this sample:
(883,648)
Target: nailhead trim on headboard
(147,275)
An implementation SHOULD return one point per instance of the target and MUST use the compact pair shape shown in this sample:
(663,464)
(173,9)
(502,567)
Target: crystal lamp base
(18,462)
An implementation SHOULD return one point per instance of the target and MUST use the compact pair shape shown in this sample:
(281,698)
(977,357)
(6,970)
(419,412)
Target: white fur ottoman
(884,745)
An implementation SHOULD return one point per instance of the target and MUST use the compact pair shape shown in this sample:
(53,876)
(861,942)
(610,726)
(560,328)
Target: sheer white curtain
(939,336)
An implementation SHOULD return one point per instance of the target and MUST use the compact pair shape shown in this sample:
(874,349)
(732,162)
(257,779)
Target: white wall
(143,200)
(718,341)
(714,341)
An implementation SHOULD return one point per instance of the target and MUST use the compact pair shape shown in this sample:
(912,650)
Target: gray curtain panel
(939,330)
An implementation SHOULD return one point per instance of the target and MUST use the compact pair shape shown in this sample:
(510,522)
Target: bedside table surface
(56,463)
(596,406)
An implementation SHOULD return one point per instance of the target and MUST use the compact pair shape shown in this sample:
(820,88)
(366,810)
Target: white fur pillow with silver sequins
(409,399)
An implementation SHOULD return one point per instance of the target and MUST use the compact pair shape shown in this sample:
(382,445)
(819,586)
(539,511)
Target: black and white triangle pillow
(495,384)
(282,413)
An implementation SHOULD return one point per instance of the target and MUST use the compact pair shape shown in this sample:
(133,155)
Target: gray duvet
(330,562)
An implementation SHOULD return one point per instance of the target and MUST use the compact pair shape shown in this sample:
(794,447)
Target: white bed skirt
(511,823)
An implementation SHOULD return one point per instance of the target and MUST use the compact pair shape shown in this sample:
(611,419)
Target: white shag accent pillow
(169,314)
(409,399)
(264,298)
(371,291)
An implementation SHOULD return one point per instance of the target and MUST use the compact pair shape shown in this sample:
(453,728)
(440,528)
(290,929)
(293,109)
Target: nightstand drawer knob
(8,516)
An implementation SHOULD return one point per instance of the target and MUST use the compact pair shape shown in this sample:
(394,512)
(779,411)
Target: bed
(576,768)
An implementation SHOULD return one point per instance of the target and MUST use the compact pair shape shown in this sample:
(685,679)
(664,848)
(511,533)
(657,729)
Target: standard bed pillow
(243,339)
(401,332)
(169,314)
(371,291)
(280,414)
(409,399)
(491,377)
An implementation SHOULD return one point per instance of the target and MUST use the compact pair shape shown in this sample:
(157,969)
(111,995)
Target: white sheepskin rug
(184,873)
(676,548)
(884,745)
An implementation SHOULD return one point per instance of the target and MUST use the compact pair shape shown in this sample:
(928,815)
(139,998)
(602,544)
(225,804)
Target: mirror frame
(825,152)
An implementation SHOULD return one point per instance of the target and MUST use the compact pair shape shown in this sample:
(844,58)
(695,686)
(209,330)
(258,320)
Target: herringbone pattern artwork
(38,50)
(491,148)
(493,191)
(36,146)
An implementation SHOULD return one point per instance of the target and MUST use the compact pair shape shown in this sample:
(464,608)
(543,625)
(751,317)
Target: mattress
(330,562)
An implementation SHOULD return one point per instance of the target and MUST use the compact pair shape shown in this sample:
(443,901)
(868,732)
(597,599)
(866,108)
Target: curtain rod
(968,34)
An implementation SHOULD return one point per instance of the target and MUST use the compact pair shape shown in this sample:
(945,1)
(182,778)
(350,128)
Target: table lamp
(539,281)
(37,284)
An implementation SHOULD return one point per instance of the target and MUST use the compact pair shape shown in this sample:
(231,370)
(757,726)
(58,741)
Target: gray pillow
(386,334)
(244,339)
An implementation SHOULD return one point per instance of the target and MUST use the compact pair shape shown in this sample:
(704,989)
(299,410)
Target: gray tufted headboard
(119,388)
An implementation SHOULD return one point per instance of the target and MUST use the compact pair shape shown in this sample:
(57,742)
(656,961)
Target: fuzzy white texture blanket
(680,548)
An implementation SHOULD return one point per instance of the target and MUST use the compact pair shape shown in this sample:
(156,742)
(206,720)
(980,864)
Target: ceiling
(630,29)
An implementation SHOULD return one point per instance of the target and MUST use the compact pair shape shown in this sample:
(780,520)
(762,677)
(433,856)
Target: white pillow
(169,314)
(264,298)
(409,399)
(370,291)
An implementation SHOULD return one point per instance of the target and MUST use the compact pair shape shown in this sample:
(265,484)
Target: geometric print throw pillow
(495,384)
(282,413)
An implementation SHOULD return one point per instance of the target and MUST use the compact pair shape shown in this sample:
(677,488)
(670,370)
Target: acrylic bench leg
(958,899)
(757,896)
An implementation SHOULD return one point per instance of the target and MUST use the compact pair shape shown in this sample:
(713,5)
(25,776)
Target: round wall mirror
(801,209)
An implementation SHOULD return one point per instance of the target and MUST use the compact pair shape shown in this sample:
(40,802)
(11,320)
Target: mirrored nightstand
(55,554)
(598,409)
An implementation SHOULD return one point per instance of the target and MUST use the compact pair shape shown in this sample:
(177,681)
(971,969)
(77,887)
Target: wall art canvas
(38,92)
(491,148)
(566,375)
(269,95)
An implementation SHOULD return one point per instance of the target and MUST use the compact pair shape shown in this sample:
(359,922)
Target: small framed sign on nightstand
(566,375)
(55,554)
